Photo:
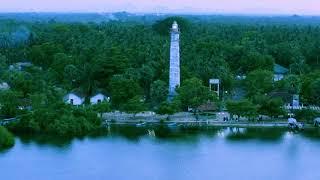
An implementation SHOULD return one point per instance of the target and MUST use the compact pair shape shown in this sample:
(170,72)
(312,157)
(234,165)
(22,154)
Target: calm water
(166,154)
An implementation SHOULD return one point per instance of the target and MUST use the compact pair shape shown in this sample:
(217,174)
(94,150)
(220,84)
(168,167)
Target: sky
(301,7)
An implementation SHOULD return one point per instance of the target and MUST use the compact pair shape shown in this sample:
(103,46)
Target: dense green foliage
(6,138)
(268,106)
(259,82)
(306,115)
(130,60)
(192,93)
(59,119)
(244,108)
(9,102)
(169,108)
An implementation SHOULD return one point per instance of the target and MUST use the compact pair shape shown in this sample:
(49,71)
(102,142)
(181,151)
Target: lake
(166,154)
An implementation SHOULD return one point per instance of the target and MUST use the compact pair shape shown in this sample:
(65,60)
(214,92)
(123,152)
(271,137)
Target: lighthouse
(174,70)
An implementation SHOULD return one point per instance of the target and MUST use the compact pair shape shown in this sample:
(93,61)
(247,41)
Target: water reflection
(162,152)
(312,134)
(178,134)
(4,150)
(255,133)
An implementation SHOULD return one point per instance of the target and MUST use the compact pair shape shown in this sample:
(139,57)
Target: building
(174,70)
(21,66)
(214,85)
(285,96)
(208,106)
(291,101)
(279,72)
(99,97)
(4,86)
(74,98)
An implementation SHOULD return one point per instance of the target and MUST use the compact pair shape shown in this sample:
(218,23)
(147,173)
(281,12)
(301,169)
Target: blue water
(194,155)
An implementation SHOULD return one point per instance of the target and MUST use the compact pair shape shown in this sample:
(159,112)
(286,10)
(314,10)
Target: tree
(71,75)
(208,66)
(135,105)
(243,108)
(88,83)
(123,89)
(193,93)
(6,138)
(20,81)
(169,107)
(259,82)
(284,53)
(3,64)
(43,54)
(112,61)
(158,92)
(102,107)
(254,60)
(291,83)
(315,91)
(146,77)
(38,100)
(310,88)
(272,108)
(299,65)
(306,115)
(60,61)
(10,101)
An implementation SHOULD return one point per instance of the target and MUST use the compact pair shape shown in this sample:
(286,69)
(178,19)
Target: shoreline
(208,124)
(185,119)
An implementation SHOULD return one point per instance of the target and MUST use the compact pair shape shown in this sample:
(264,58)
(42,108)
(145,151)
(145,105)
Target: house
(205,107)
(74,98)
(285,96)
(4,86)
(99,97)
(209,106)
(279,72)
(20,66)
(291,101)
(145,114)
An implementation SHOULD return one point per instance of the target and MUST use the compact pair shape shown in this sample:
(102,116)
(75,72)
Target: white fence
(315,108)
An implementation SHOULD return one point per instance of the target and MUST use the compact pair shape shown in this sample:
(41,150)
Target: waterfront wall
(152,117)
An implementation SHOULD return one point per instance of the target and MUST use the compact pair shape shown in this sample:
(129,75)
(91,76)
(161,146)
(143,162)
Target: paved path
(4,122)
(275,124)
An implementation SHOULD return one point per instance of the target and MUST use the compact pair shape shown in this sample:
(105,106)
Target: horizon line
(163,13)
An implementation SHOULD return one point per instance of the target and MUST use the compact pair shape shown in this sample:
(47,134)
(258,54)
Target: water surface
(166,154)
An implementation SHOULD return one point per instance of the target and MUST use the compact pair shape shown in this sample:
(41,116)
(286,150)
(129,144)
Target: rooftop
(278,69)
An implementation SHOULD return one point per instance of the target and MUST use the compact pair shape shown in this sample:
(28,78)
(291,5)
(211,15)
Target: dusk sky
(303,7)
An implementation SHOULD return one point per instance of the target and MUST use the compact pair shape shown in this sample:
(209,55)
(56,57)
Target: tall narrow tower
(174,74)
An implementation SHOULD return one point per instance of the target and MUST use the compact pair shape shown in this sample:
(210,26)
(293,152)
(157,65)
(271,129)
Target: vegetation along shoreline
(67,78)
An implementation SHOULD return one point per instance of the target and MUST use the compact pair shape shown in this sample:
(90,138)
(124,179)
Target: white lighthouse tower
(174,72)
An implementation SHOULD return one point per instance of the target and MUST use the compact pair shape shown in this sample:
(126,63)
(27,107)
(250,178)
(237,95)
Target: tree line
(130,60)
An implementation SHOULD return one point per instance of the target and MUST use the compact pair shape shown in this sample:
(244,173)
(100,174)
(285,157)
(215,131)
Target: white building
(4,86)
(20,66)
(279,72)
(99,97)
(74,98)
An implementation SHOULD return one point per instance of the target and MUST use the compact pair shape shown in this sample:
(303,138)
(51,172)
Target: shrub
(306,115)
(62,121)
(168,108)
(6,138)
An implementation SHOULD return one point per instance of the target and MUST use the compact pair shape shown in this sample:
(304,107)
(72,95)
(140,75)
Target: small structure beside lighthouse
(174,71)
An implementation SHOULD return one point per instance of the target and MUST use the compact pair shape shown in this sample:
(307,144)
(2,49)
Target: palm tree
(87,81)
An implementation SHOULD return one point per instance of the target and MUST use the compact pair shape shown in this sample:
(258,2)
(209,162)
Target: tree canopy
(129,58)
(192,93)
